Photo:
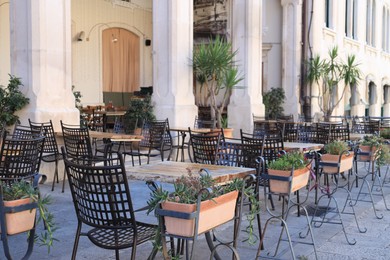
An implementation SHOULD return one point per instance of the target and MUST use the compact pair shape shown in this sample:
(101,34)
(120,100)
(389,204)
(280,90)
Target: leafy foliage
(382,149)
(22,189)
(187,188)
(289,161)
(273,101)
(11,100)
(140,110)
(336,147)
(385,133)
(215,70)
(327,74)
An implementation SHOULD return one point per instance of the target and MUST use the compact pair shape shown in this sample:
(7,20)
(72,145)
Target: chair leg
(55,176)
(63,182)
(76,241)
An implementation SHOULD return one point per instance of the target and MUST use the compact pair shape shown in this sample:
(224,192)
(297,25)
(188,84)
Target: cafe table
(182,132)
(302,147)
(169,171)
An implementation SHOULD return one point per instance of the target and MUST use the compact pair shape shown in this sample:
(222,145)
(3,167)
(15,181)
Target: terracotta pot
(346,162)
(20,221)
(300,179)
(367,149)
(212,214)
(228,132)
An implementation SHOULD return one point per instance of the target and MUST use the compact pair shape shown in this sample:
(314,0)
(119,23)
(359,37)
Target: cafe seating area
(116,161)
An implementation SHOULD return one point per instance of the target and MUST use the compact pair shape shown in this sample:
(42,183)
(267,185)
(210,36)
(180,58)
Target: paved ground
(330,240)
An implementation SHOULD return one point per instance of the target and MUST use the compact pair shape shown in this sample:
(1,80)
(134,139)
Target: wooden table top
(169,171)
(302,147)
(195,130)
(108,135)
(357,136)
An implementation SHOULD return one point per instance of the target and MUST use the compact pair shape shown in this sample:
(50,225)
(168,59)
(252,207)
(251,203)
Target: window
(385,28)
(350,18)
(370,22)
(328,13)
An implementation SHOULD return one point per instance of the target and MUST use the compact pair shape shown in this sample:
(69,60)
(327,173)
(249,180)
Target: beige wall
(5,66)
(93,16)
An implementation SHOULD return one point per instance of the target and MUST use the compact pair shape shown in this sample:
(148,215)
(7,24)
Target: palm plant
(328,74)
(215,70)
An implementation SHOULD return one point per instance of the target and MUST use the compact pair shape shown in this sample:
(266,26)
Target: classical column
(291,54)
(386,105)
(41,57)
(172,52)
(246,39)
(375,106)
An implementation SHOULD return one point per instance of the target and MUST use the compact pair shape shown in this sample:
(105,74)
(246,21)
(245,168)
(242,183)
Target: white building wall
(92,17)
(373,61)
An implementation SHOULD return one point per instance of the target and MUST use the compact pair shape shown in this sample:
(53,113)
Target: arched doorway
(121,61)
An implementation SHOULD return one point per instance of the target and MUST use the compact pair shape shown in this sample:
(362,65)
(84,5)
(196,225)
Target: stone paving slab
(330,240)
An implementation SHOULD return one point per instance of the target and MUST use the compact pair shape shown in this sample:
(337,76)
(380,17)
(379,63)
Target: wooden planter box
(212,214)
(300,179)
(367,149)
(346,162)
(20,221)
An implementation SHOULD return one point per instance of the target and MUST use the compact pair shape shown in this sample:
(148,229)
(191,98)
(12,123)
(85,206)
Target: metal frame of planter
(162,213)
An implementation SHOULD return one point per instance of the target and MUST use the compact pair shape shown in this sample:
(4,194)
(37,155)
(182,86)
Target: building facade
(54,45)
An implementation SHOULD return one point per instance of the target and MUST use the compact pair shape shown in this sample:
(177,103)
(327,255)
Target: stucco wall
(5,67)
(93,16)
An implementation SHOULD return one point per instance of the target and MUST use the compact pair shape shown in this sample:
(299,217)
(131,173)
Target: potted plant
(385,134)
(337,152)
(216,207)
(20,193)
(290,163)
(11,100)
(217,74)
(273,103)
(140,110)
(328,74)
(371,144)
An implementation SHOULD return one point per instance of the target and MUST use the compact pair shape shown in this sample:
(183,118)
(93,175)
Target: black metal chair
(77,141)
(156,136)
(102,201)
(205,147)
(339,132)
(26,132)
(203,123)
(50,149)
(19,160)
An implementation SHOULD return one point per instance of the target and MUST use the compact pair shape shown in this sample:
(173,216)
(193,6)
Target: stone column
(375,106)
(41,57)
(172,53)
(291,54)
(386,105)
(246,39)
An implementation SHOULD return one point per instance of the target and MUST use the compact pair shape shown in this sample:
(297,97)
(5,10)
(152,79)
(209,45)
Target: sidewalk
(330,240)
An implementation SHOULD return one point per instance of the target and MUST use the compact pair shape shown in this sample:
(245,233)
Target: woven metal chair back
(100,193)
(289,131)
(20,158)
(323,133)
(339,132)
(203,123)
(273,146)
(155,134)
(26,132)
(50,147)
(307,134)
(229,154)
(205,147)
(77,141)
(252,148)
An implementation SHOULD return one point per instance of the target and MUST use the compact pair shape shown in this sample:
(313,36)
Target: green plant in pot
(385,133)
(215,70)
(337,152)
(376,145)
(11,101)
(139,111)
(220,201)
(273,103)
(19,193)
(293,162)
